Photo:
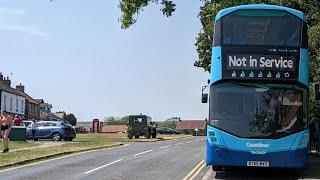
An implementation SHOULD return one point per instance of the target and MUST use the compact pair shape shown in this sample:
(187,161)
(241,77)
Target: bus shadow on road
(257,173)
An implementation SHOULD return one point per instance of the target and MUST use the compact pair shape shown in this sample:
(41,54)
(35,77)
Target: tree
(71,119)
(116,120)
(169,123)
(131,8)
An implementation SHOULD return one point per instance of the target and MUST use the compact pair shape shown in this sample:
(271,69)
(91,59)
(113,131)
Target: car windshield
(257,111)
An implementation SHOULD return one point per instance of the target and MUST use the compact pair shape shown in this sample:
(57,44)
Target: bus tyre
(216,168)
(137,136)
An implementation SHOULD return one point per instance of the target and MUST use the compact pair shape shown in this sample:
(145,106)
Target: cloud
(21,28)
(13,11)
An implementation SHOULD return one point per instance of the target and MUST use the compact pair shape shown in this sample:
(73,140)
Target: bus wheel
(216,168)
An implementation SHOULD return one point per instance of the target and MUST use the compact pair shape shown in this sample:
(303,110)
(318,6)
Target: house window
(17,105)
(11,101)
(5,102)
(22,105)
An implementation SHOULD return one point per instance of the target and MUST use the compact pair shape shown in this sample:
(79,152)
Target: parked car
(167,131)
(55,130)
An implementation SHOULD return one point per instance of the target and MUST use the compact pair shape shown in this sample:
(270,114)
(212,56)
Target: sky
(74,55)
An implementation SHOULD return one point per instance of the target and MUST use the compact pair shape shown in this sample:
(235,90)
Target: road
(157,160)
(165,160)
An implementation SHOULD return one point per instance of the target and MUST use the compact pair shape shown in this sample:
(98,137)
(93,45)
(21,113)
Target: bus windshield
(257,111)
(261,27)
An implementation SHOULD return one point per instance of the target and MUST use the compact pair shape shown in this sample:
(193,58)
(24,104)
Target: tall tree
(131,8)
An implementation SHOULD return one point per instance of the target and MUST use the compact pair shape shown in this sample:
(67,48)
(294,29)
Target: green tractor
(141,125)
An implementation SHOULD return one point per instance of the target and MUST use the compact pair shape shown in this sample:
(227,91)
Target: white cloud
(21,28)
(13,11)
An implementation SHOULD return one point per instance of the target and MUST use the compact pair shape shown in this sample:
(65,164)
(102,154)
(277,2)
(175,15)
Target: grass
(83,142)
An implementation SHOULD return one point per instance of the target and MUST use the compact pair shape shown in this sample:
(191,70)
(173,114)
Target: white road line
(178,144)
(207,175)
(59,158)
(165,147)
(142,153)
(98,168)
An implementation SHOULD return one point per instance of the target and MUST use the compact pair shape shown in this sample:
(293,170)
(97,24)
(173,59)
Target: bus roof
(226,11)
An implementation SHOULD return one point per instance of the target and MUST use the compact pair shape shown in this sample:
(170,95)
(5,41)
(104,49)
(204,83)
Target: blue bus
(258,91)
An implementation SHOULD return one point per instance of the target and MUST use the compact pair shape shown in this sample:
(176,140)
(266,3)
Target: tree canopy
(130,10)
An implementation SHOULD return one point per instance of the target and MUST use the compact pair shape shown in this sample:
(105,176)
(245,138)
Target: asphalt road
(165,160)
(158,160)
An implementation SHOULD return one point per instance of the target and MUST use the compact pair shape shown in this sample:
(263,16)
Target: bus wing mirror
(204,98)
(317,91)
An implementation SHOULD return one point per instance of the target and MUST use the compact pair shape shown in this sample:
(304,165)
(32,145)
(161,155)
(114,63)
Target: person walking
(6,121)
(34,128)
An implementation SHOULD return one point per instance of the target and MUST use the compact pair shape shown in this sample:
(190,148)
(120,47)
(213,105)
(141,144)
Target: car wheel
(130,136)
(56,136)
(137,137)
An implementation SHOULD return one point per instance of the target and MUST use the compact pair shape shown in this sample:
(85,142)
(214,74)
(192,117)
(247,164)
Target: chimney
(7,81)
(20,87)
(1,76)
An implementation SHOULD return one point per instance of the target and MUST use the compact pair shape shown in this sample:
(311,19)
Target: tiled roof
(191,125)
(29,98)
(114,128)
(9,89)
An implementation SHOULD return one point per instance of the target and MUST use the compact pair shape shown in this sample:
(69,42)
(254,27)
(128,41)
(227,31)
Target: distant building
(45,111)
(32,107)
(114,129)
(11,99)
(191,126)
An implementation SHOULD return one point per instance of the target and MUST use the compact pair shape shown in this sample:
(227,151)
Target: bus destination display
(251,66)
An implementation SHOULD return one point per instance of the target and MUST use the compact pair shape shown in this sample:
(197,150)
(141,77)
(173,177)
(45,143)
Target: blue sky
(74,55)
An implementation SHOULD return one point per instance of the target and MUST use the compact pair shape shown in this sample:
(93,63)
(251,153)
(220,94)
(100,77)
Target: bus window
(245,27)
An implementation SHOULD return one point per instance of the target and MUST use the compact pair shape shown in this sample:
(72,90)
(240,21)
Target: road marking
(165,147)
(106,165)
(62,157)
(196,173)
(194,170)
(207,175)
(178,144)
(142,153)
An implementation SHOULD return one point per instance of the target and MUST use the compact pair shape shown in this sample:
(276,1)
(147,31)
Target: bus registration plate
(258,163)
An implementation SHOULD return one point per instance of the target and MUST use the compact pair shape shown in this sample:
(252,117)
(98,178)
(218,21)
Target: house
(11,99)
(114,129)
(191,126)
(32,107)
(45,111)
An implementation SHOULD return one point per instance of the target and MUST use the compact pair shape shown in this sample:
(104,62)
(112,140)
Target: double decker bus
(258,112)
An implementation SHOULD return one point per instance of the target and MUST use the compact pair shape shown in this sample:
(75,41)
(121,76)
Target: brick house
(114,129)
(190,127)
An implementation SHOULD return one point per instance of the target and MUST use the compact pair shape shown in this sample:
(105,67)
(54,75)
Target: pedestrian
(17,121)
(34,128)
(6,121)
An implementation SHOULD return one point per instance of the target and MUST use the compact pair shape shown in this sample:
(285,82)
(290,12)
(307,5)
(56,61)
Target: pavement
(180,159)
